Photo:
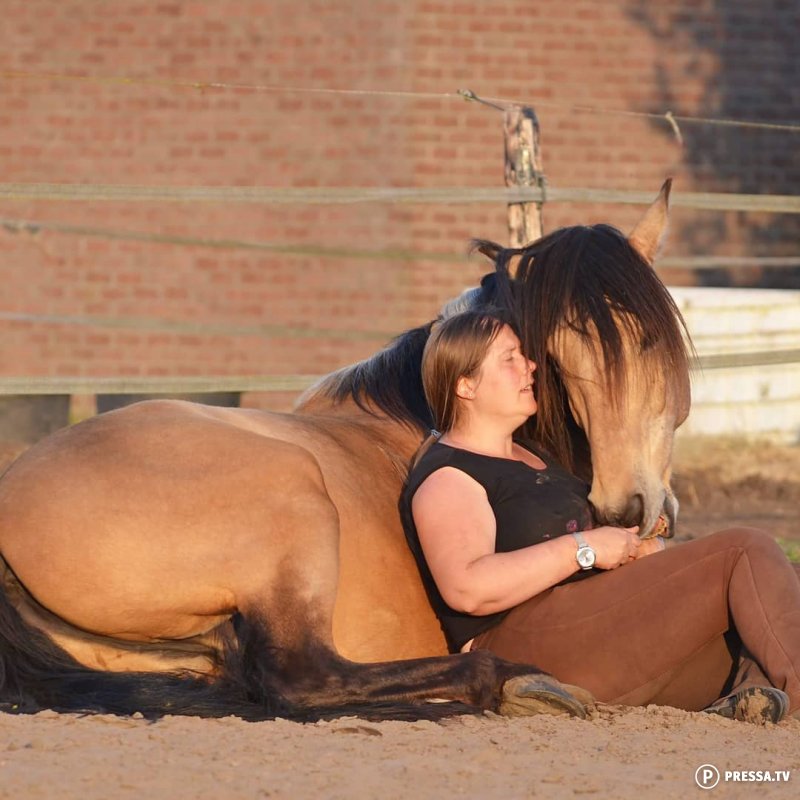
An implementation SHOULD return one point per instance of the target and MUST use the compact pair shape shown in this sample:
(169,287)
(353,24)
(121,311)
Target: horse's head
(608,341)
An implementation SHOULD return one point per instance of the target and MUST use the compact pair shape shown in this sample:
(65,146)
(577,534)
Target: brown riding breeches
(675,628)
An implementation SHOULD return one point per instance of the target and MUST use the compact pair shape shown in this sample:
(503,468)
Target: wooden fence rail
(775,204)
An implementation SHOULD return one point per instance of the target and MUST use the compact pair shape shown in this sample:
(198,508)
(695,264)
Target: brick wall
(154,308)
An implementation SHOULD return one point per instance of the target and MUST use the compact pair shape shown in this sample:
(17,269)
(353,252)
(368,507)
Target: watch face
(586,557)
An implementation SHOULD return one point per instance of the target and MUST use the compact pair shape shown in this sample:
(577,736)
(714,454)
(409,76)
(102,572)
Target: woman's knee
(748,539)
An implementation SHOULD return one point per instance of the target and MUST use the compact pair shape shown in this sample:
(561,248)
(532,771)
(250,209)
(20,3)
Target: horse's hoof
(527,695)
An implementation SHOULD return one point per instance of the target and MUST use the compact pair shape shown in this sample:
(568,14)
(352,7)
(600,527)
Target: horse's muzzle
(651,521)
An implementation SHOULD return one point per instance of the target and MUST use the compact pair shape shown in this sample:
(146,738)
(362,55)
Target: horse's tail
(36,673)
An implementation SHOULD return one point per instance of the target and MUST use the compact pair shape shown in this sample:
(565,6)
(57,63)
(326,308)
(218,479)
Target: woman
(504,541)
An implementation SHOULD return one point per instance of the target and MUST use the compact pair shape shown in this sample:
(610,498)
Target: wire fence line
(33,227)
(450,195)
(498,103)
(148,325)
(760,358)
(715,262)
(289,383)
(196,328)
(187,384)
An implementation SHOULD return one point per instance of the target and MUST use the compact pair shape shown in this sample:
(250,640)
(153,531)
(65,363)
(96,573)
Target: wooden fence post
(523,168)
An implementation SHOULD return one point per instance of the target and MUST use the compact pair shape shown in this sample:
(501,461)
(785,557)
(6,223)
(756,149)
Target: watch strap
(578,536)
(584,547)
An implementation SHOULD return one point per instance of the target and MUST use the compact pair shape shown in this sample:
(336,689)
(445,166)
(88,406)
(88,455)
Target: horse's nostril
(634,512)
(620,516)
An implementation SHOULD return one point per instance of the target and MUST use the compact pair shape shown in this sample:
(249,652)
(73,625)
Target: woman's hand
(613,547)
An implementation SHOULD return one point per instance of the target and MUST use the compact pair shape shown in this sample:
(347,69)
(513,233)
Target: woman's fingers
(614,546)
(649,546)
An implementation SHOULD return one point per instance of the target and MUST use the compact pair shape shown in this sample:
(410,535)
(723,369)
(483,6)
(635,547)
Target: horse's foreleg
(311,677)
(286,651)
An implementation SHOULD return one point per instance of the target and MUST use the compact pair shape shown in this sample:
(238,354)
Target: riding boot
(756,704)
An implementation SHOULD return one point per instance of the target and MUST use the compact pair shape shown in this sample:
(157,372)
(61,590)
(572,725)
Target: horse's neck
(398,440)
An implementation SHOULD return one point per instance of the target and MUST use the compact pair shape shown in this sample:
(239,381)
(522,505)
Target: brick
(583,53)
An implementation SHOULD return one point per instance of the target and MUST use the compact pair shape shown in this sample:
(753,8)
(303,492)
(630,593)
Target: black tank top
(530,506)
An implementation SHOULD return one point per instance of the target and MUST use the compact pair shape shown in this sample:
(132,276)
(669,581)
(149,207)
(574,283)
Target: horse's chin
(671,506)
(664,524)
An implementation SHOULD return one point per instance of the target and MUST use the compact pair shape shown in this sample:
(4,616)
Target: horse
(170,557)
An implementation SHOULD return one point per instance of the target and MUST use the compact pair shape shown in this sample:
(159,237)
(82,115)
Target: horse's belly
(124,595)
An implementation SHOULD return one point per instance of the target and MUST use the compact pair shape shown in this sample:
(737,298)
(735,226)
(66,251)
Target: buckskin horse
(171,557)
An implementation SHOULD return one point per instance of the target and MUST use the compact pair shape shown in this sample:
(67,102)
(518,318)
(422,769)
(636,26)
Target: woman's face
(504,383)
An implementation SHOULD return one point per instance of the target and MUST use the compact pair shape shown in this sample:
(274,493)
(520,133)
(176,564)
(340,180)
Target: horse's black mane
(390,380)
(589,276)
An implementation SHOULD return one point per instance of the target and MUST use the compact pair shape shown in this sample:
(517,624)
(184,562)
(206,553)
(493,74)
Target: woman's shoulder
(482,469)
(448,487)
(442,484)
(435,457)
(432,459)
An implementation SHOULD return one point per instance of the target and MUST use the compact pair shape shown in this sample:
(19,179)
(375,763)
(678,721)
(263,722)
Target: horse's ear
(648,236)
(492,251)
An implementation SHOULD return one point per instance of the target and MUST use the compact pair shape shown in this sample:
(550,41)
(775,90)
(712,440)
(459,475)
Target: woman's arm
(456,529)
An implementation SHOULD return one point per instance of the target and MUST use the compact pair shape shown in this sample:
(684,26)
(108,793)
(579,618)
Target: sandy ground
(724,482)
(634,753)
(619,753)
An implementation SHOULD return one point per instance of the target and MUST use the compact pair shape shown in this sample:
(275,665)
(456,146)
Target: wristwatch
(585,555)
